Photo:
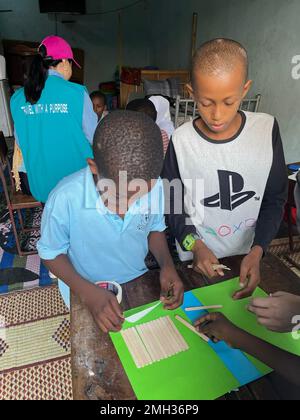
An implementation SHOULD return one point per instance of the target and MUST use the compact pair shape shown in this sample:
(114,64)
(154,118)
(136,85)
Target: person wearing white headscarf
(164,121)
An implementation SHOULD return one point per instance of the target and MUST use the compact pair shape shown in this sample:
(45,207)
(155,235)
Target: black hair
(100,95)
(143,105)
(128,141)
(37,76)
(219,55)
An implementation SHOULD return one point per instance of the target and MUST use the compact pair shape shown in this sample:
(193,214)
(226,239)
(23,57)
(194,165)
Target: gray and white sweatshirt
(242,185)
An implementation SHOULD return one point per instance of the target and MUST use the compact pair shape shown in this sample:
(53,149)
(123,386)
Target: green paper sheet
(197,374)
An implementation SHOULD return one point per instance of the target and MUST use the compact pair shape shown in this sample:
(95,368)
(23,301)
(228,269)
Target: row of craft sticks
(154,341)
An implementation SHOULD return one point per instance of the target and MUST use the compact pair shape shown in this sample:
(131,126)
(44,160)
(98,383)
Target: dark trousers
(24,183)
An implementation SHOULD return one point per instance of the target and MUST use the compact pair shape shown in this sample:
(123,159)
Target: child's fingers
(243,294)
(102,327)
(261,302)
(199,268)
(266,322)
(172,306)
(206,318)
(253,281)
(109,325)
(117,308)
(260,312)
(209,269)
(279,294)
(113,317)
(220,272)
(244,277)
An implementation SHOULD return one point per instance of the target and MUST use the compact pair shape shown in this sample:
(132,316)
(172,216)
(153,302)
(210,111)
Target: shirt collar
(55,73)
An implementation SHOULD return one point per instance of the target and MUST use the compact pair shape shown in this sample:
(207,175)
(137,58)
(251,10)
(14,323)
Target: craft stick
(175,342)
(192,328)
(221,267)
(170,343)
(145,342)
(178,343)
(215,267)
(166,344)
(154,341)
(135,346)
(182,343)
(181,340)
(140,348)
(127,336)
(156,337)
(203,308)
(144,334)
(144,353)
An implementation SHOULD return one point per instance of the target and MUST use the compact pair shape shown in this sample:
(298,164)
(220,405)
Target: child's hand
(105,309)
(172,289)
(276,312)
(204,260)
(250,273)
(217,327)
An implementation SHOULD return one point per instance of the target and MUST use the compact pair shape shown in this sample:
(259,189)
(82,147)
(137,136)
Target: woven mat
(18,273)
(35,353)
(280,248)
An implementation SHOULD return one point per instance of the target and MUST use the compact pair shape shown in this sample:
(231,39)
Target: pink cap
(58,49)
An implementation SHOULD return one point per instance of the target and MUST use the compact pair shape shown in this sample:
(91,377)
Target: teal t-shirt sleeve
(55,232)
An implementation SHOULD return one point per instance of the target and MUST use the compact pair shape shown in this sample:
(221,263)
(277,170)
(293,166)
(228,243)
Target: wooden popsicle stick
(192,328)
(215,267)
(170,342)
(176,342)
(168,349)
(144,336)
(180,339)
(155,335)
(143,350)
(203,308)
(128,338)
(146,344)
(137,348)
(158,338)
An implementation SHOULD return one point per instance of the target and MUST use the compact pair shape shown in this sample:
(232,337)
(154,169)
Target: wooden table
(97,371)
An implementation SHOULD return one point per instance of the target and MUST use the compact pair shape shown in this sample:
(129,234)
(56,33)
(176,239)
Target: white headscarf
(164,121)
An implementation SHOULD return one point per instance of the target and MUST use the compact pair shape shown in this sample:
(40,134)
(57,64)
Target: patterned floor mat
(280,248)
(35,362)
(18,273)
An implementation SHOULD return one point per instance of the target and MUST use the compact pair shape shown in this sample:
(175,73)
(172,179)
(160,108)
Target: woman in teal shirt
(54,119)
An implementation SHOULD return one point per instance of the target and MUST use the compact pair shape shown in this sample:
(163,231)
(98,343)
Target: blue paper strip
(235,361)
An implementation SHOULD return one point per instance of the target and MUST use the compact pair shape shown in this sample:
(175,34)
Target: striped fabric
(165,140)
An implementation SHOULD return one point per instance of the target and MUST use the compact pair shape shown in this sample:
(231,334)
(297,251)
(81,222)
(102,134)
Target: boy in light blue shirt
(99,224)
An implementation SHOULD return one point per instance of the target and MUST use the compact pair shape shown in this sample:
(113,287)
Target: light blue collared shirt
(100,244)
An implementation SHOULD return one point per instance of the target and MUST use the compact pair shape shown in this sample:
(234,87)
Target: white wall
(97,35)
